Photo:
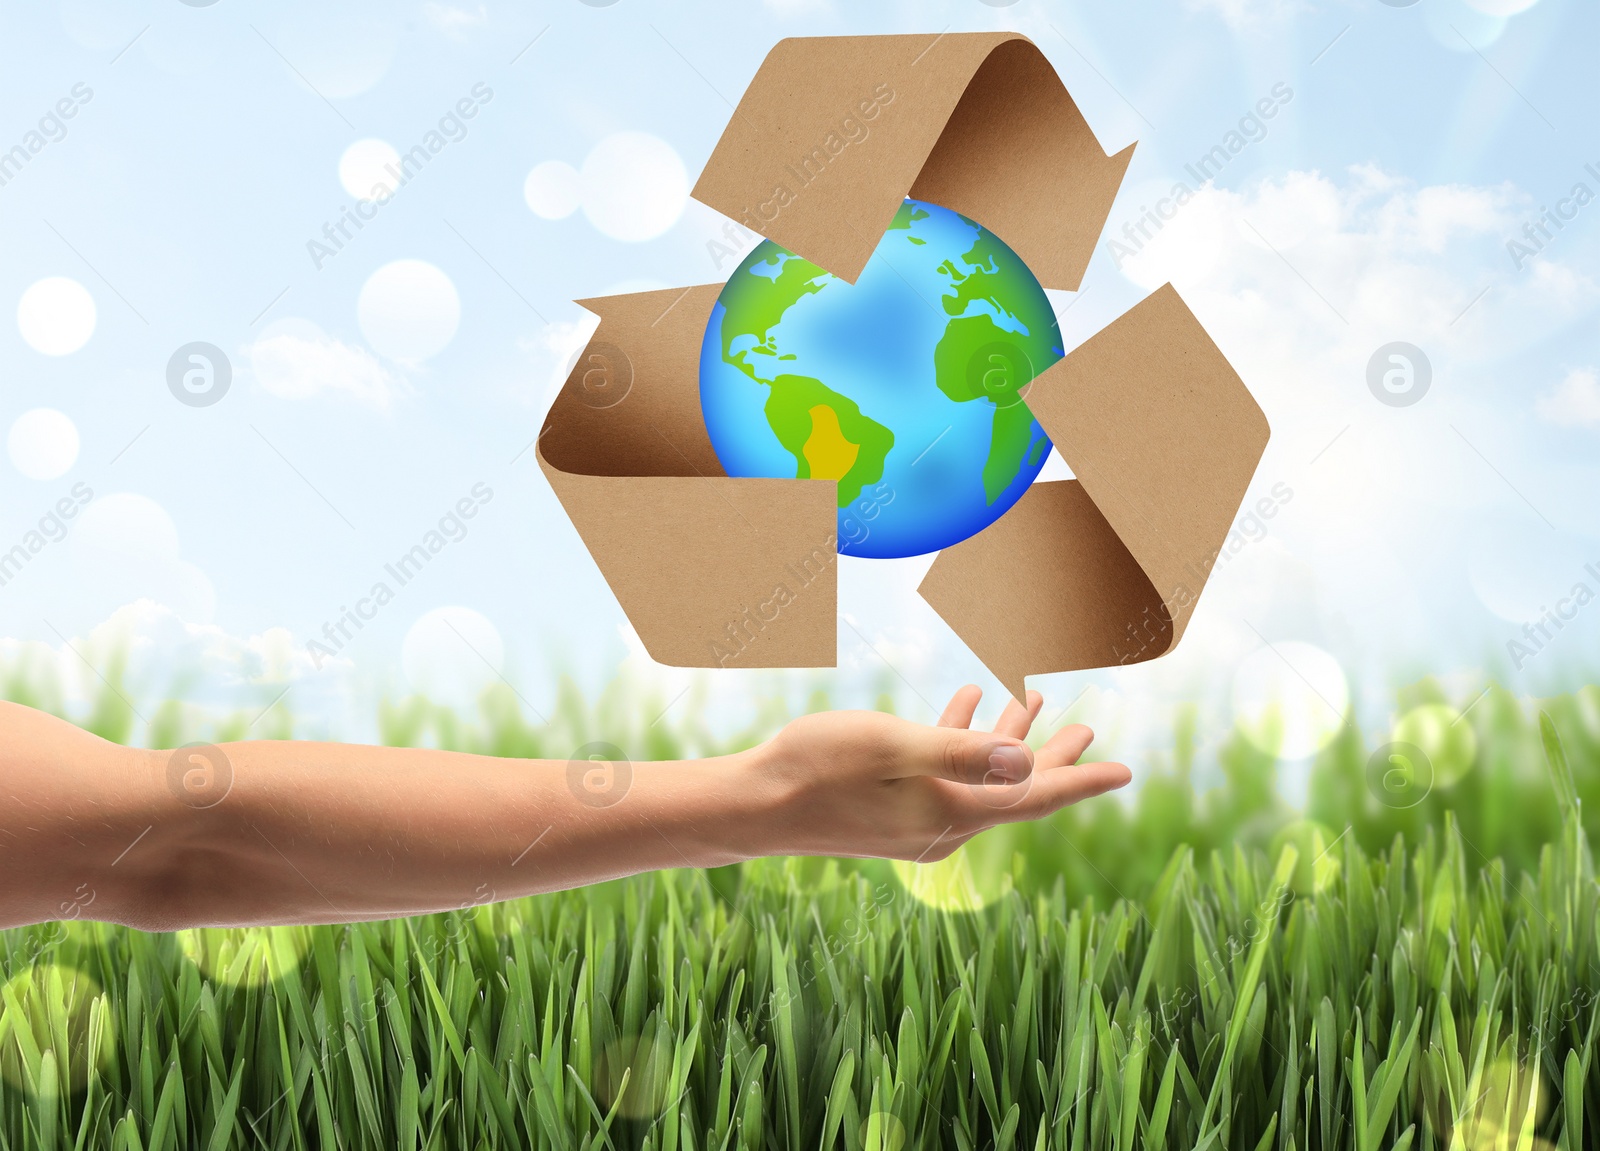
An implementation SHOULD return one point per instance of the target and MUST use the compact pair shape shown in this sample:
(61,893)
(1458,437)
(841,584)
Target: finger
(1016,719)
(962,707)
(1045,791)
(1065,746)
(1050,791)
(964,756)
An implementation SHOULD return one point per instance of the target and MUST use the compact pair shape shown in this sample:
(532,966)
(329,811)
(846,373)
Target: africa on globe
(902,387)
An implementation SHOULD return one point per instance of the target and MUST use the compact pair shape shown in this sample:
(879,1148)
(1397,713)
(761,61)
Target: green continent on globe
(760,303)
(906,215)
(825,432)
(978,359)
(827,435)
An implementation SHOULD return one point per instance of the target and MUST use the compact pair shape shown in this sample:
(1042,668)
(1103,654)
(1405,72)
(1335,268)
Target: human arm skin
(325,832)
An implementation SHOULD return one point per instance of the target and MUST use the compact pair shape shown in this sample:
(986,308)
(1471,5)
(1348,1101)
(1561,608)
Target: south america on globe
(902,387)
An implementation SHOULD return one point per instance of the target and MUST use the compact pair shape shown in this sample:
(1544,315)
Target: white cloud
(1242,14)
(338,51)
(453,21)
(157,654)
(1518,566)
(554,351)
(894,648)
(451,654)
(1575,402)
(1300,278)
(156,638)
(1356,261)
(295,360)
(125,547)
(640,668)
(798,7)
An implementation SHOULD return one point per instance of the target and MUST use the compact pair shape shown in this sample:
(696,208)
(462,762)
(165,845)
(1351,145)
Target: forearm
(285,832)
(317,832)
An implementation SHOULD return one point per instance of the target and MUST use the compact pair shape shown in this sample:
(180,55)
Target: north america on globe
(902,387)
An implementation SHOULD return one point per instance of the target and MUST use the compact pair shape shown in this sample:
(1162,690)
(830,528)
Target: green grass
(1184,972)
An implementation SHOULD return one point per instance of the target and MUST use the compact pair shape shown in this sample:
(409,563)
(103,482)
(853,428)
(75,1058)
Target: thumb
(971,757)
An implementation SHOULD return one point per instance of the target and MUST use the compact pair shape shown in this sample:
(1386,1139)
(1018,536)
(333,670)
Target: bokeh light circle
(56,315)
(243,956)
(1319,857)
(970,878)
(409,310)
(1455,25)
(1511,1095)
(367,169)
(634,186)
(646,1060)
(802,875)
(1399,775)
(1290,699)
(1445,738)
(59,1002)
(1500,7)
(553,190)
(43,444)
(881,1131)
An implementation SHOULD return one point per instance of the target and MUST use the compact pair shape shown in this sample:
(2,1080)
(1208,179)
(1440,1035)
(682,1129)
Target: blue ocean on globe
(902,386)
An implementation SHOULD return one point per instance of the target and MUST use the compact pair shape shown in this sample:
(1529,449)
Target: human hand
(866,784)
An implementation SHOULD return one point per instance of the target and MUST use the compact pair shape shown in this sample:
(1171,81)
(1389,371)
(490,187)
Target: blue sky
(211,149)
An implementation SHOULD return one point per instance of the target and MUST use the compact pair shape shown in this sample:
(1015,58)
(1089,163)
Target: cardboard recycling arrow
(1106,569)
(694,556)
(832,134)
(977,122)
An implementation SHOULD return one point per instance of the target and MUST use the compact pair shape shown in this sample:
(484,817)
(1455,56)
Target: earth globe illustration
(903,386)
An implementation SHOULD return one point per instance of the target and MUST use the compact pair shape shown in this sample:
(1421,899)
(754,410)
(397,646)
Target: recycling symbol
(1160,433)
